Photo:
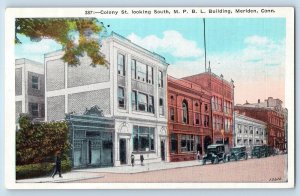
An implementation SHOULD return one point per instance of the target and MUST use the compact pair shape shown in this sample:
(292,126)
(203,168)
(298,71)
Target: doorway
(162,150)
(122,145)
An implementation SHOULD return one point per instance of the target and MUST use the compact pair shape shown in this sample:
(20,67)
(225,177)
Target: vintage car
(237,153)
(260,151)
(215,153)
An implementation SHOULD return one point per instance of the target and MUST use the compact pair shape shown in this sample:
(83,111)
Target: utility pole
(204,37)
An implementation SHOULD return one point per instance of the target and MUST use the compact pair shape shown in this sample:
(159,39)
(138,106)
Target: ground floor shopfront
(140,137)
(99,141)
(185,146)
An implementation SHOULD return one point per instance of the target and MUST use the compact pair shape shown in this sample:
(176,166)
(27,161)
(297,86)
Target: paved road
(271,169)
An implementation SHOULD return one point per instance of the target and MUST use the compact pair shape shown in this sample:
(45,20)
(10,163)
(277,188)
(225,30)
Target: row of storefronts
(134,108)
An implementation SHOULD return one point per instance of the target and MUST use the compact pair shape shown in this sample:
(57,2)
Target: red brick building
(222,100)
(189,123)
(274,119)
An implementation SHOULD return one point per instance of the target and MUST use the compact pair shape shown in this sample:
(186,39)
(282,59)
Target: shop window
(143,139)
(187,143)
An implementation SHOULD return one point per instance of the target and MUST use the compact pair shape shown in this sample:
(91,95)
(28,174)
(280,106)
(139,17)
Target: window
(197,118)
(251,129)
(143,138)
(134,100)
(240,128)
(121,64)
(141,71)
(35,82)
(121,98)
(246,130)
(142,102)
(206,108)
(160,79)
(174,143)
(133,69)
(149,74)
(34,109)
(172,114)
(187,143)
(206,121)
(161,106)
(151,104)
(185,112)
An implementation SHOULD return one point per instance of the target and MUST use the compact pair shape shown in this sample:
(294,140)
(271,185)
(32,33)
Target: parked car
(237,153)
(215,154)
(260,151)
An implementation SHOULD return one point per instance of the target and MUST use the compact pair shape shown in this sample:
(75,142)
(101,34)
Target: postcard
(149,98)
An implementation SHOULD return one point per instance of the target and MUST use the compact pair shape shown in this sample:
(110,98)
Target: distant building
(273,114)
(29,89)
(222,100)
(249,131)
(189,123)
(114,111)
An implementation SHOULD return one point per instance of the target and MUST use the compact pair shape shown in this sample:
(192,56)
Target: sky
(249,51)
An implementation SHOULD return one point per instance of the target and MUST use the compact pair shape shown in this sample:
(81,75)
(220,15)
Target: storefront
(91,137)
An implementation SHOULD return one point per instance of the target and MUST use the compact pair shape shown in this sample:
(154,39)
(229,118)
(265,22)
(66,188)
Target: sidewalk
(90,173)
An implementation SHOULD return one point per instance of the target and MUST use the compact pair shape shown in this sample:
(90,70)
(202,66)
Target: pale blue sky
(242,49)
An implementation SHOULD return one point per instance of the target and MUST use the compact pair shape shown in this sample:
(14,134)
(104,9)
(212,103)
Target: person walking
(142,159)
(198,156)
(132,159)
(57,165)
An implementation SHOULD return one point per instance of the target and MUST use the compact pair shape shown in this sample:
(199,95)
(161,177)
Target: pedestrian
(57,167)
(142,159)
(132,159)
(198,156)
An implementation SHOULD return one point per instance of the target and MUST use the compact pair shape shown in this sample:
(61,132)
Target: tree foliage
(61,30)
(37,143)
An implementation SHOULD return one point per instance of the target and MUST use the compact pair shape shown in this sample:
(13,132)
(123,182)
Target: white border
(12,13)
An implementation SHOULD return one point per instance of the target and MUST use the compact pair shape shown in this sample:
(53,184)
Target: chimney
(258,101)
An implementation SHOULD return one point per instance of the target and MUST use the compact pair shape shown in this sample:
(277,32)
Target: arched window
(185,112)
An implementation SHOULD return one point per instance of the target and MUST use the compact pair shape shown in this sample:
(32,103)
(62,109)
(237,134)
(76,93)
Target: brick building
(270,114)
(29,89)
(222,100)
(189,122)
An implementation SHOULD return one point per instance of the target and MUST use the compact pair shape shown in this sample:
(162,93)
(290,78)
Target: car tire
(246,157)
(235,158)
(216,160)
(204,162)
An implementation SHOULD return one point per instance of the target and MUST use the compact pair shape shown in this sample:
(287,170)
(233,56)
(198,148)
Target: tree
(61,30)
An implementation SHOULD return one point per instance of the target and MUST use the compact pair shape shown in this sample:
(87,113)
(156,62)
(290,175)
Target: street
(270,169)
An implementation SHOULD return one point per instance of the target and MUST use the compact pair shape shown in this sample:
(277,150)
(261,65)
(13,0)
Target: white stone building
(249,131)
(131,91)
(29,88)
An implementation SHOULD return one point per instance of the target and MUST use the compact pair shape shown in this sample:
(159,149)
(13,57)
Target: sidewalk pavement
(90,173)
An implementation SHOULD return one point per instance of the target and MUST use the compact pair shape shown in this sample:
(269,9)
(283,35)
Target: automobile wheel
(204,162)
(224,160)
(216,161)
(246,156)
(228,159)
(235,158)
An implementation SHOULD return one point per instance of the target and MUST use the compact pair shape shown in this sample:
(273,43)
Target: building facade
(273,118)
(131,92)
(222,101)
(189,123)
(29,89)
(249,131)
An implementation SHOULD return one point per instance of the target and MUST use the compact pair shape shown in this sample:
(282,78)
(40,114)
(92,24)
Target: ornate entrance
(91,137)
